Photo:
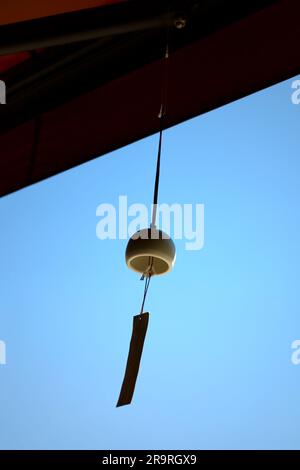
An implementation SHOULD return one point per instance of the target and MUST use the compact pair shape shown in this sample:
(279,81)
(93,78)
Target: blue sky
(216,371)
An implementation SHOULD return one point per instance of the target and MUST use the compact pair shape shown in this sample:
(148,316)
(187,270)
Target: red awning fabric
(232,62)
(9,61)
(15,11)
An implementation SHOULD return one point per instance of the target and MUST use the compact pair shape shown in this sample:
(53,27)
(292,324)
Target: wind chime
(150,252)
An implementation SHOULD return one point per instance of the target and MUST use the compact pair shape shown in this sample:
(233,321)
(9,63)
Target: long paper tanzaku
(140,325)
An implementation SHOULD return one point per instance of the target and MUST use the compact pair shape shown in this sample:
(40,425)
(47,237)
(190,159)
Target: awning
(92,82)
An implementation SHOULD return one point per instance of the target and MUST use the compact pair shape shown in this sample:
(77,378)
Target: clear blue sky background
(216,371)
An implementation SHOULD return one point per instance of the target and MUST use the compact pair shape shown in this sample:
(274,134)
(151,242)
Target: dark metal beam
(52,40)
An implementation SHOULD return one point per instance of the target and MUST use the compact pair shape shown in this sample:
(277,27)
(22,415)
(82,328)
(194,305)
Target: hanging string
(162,113)
(155,195)
(146,287)
(161,116)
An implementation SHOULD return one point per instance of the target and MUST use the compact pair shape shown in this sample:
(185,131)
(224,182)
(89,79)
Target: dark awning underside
(82,83)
